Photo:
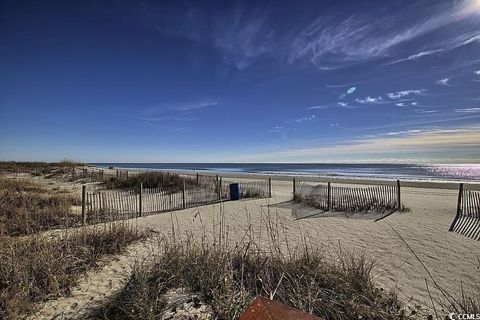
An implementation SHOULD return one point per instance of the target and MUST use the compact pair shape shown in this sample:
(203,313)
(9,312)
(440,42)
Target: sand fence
(111,205)
(467,220)
(351,199)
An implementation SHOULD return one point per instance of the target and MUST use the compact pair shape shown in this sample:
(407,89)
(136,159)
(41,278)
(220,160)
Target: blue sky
(259,81)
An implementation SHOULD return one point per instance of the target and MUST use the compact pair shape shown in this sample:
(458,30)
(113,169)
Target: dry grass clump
(26,207)
(170,181)
(228,279)
(35,167)
(34,269)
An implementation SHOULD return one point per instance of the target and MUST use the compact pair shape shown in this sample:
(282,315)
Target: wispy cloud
(405,93)
(157,119)
(400,104)
(417,55)
(444,46)
(176,111)
(414,141)
(240,33)
(317,107)
(372,100)
(468,110)
(330,44)
(303,119)
(194,106)
(244,33)
(423,111)
(444,82)
(477,72)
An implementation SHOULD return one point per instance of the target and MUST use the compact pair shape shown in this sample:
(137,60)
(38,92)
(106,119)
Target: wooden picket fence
(327,197)
(110,205)
(467,220)
(90,174)
(261,188)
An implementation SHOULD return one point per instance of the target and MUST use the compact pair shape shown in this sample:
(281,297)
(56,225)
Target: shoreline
(408,183)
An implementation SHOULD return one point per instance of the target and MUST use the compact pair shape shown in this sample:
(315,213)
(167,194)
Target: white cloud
(405,93)
(416,141)
(444,46)
(370,100)
(468,110)
(415,103)
(317,108)
(330,44)
(342,104)
(240,34)
(425,111)
(444,82)
(477,72)
(303,119)
(400,104)
(175,112)
(172,118)
(194,106)
(417,55)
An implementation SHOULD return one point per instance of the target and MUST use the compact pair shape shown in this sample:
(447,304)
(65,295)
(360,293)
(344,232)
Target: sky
(240,81)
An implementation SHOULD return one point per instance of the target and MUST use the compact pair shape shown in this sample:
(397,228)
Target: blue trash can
(234,191)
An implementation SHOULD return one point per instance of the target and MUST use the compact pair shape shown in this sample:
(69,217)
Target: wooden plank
(84,213)
(140,200)
(183,193)
(329,197)
(459,207)
(264,309)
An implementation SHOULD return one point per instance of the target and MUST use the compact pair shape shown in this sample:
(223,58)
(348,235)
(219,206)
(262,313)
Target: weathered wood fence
(467,220)
(328,197)
(110,205)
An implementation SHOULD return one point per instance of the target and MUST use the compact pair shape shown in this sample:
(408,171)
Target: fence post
(126,175)
(183,195)
(140,209)
(399,202)
(220,189)
(101,175)
(73,173)
(84,213)
(118,174)
(294,191)
(269,187)
(197,178)
(216,187)
(329,196)
(459,206)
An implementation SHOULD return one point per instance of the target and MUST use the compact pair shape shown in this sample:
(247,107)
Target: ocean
(415,172)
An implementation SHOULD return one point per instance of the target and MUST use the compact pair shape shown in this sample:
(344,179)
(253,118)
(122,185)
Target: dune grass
(167,181)
(36,167)
(27,207)
(36,268)
(226,276)
(228,280)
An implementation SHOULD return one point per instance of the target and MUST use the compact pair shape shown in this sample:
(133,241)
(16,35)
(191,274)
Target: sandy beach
(413,252)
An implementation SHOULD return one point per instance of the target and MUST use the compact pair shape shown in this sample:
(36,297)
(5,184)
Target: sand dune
(452,259)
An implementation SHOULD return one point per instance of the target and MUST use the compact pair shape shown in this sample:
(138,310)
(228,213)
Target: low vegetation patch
(168,181)
(34,269)
(37,168)
(228,279)
(26,207)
